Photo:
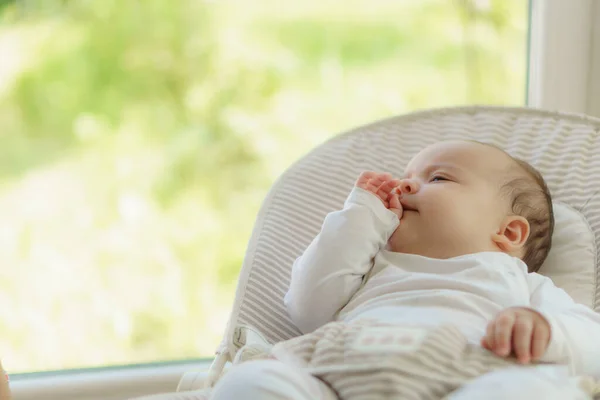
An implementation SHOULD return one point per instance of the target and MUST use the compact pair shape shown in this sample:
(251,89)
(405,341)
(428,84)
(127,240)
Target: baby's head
(463,197)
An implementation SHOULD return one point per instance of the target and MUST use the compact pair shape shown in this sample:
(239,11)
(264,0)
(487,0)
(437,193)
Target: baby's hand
(520,331)
(383,186)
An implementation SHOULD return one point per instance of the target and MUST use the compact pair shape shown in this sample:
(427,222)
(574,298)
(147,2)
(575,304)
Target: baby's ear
(512,235)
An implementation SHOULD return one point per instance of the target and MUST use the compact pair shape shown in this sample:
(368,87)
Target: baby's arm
(332,268)
(574,328)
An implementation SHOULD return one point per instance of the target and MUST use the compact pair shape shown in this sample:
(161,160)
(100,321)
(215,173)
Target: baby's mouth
(408,211)
(407,207)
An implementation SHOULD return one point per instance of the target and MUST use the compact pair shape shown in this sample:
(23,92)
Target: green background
(138,139)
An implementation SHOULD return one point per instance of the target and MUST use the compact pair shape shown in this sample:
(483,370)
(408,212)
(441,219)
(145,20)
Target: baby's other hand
(383,186)
(520,331)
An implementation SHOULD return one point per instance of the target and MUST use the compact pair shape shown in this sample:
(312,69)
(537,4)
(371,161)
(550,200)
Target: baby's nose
(409,186)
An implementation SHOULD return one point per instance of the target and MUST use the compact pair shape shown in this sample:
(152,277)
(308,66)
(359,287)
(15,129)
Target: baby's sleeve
(332,268)
(575,328)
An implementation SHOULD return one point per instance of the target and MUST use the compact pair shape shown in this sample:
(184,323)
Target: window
(138,139)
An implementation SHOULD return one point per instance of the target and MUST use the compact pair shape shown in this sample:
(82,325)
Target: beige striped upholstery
(564,147)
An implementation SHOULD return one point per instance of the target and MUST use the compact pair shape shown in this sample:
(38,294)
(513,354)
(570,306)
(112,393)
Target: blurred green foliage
(138,139)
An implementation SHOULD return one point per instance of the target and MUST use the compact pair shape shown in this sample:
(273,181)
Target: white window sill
(106,384)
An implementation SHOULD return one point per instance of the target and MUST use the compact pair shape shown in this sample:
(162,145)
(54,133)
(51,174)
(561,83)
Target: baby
(425,287)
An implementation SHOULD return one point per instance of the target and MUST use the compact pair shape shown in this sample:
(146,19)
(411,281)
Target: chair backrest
(564,147)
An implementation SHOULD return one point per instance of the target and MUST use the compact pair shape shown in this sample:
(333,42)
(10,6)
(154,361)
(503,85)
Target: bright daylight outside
(138,139)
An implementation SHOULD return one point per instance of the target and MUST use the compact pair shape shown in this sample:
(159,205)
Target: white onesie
(346,274)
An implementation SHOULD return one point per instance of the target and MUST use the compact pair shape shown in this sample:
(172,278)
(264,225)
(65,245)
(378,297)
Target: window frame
(561,37)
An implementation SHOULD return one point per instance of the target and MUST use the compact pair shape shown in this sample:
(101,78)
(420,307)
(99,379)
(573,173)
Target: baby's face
(451,199)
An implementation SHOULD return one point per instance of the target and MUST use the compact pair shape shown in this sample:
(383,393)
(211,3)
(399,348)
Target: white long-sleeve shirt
(346,274)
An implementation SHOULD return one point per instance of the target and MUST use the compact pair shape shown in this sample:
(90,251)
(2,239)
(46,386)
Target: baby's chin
(409,236)
(409,219)
(401,237)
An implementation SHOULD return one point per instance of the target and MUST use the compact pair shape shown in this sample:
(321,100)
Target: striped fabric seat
(564,147)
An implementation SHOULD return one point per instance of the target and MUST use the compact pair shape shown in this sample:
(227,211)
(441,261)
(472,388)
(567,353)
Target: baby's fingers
(394,201)
(503,333)
(394,205)
(522,337)
(541,337)
(488,341)
(380,179)
(364,178)
(372,181)
(387,187)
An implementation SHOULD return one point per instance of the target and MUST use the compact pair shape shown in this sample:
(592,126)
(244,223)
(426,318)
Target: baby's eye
(438,178)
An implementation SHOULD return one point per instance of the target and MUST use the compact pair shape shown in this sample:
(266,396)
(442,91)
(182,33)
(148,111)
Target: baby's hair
(530,198)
